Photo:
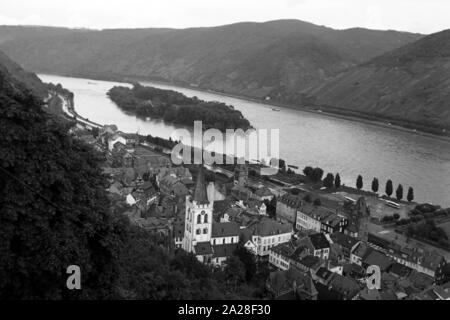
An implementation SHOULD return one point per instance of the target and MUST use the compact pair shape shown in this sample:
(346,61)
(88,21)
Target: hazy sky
(424,16)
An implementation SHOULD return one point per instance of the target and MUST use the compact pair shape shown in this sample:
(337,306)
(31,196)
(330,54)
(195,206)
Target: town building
(212,242)
(342,245)
(319,219)
(287,206)
(264,193)
(267,233)
(358,216)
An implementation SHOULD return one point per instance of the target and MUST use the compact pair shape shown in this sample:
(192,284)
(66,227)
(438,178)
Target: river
(334,144)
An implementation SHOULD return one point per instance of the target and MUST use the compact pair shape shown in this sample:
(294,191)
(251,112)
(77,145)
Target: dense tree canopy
(175,107)
(54,210)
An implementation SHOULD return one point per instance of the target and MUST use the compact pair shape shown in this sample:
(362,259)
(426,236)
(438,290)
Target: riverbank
(340,114)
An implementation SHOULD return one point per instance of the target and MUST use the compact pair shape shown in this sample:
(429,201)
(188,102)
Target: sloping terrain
(18,75)
(277,58)
(410,84)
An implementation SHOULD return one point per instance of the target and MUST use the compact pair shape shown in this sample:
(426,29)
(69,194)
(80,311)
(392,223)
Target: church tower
(199,216)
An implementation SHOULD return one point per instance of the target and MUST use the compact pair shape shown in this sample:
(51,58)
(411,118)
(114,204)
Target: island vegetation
(175,107)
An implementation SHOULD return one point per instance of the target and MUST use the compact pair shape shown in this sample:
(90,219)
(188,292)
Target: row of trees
(331,181)
(389,189)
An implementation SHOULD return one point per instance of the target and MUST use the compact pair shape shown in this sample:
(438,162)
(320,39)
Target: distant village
(316,250)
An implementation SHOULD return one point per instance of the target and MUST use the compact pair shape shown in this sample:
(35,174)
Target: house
(320,245)
(179,172)
(246,236)
(342,246)
(354,271)
(339,288)
(144,195)
(310,264)
(358,216)
(287,206)
(241,192)
(172,186)
(291,284)
(315,244)
(427,262)
(224,233)
(319,219)
(255,207)
(442,291)
(375,294)
(149,161)
(399,270)
(267,233)
(116,138)
(280,255)
(322,276)
(263,194)
(359,252)
(377,258)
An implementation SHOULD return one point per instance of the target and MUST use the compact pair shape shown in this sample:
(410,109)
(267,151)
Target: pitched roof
(269,227)
(224,229)
(400,270)
(361,249)
(224,250)
(324,274)
(290,200)
(374,257)
(285,249)
(319,241)
(443,291)
(203,248)
(200,193)
(343,240)
(283,282)
(345,286)
(263,192)
(311,262)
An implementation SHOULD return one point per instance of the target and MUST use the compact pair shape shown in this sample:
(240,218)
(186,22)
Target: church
(212,242)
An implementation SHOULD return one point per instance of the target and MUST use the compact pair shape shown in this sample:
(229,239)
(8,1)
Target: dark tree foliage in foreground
(53,207)
(54,212)
(148,271)
(248,259)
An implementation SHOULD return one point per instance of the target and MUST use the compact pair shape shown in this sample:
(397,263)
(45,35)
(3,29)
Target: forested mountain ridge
(17,74)
(409,84)
(275,58)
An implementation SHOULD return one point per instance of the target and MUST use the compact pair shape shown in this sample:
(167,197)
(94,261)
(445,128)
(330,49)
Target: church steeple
(200,193)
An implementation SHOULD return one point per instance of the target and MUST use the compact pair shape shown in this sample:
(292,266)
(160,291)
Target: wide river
(334,144)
